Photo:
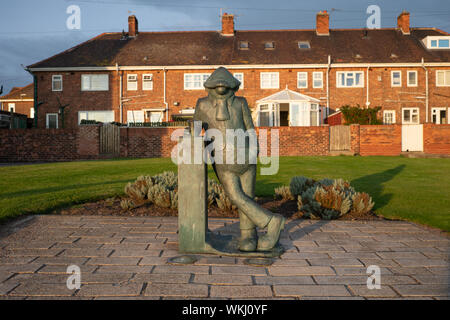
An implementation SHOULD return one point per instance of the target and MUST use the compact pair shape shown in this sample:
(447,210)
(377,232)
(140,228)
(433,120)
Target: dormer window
(243,45)
(269,45)
(437,42)
(303,45)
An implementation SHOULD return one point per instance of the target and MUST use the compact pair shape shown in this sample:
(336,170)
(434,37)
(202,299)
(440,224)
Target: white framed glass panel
(195,81)
(57,82)
(314,113)
(31,112)
(396,78)
(350,79)
(410,116)
(439,116)
(11,107)
(240,77)
(51,121)
(269,80)
(105,116)
(135,116)
(412,79)
(147,82)
(94,82)
(317,79)
(302,80)
(132,82)
(443,78)
(388,116)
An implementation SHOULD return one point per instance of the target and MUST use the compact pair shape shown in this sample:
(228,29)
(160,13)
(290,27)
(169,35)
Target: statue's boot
(270,239)
(249,240)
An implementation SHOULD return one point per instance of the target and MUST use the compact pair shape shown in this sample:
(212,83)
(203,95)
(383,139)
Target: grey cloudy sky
(32,30)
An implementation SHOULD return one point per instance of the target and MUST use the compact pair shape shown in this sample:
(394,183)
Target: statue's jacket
(239,122)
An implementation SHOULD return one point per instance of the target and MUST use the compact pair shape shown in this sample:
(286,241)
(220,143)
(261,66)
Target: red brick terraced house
(19,100)
(289,77)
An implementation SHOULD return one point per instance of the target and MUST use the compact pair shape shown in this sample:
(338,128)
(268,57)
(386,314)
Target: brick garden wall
(436,139)
(380,140)
(28,145)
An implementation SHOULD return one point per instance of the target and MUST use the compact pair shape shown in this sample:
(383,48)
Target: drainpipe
(328,91)
(120,92)
(165,101)
(367,94)
(426,89)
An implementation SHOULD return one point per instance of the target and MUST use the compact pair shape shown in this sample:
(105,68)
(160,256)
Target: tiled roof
(211,48)
(18,93)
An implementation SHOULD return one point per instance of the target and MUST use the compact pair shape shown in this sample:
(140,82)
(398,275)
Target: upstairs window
(317,79)
(302,80)
(350,79)
(132,82)
(57,83)
(396,78)
(240,77)
(195,81)
(437,42)
(303,45)
(94,82)
(269,45)
(443,78)
(147,82)
(270,80)
(243,45)
(412,78)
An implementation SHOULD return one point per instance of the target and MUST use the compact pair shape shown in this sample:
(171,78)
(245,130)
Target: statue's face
(222,90)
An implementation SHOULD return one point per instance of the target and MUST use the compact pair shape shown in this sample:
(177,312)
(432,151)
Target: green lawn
(413,189)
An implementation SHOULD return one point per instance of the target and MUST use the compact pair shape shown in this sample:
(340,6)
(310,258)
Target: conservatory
(288,108)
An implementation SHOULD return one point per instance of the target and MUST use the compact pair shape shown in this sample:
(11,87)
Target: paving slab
(126,258)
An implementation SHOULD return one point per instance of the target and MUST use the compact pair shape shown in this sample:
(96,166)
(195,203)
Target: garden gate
(109,140)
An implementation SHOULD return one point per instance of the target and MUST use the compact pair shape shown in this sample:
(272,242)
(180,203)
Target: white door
(412,137)
(294,114)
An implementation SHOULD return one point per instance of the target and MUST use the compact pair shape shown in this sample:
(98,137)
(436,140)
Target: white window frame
(147,84)
(47,122)
(411,113)
(388,112)
(347,75)
(146,116)
(298,80)
(13,106)
(437,38)
(300,43)
(90,76)
(446,75)
(272,85)
(434,110)
(132,82)
(407,78)
(139,113)
(94,111)
(57,78)
(316,73)
(242,77)
(392,78)
(204,77)
(32,112)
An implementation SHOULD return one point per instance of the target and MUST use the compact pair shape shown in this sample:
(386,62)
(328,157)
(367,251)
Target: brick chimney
(227,24)
(403,22)
(323,23)
(132,26)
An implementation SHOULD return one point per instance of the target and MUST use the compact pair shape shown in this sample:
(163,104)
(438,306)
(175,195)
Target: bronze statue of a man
(222,110)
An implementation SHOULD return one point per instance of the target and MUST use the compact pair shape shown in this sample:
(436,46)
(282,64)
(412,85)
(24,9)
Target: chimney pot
(323,23)
(227,24)
(132,26)
(403,22)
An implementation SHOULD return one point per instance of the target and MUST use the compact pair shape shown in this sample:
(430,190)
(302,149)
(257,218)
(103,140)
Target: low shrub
(329,199)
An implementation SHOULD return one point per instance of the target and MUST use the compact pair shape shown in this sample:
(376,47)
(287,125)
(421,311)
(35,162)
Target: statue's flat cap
(221,77)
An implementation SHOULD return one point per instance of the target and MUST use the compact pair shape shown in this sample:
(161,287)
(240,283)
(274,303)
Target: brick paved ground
(125,258)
